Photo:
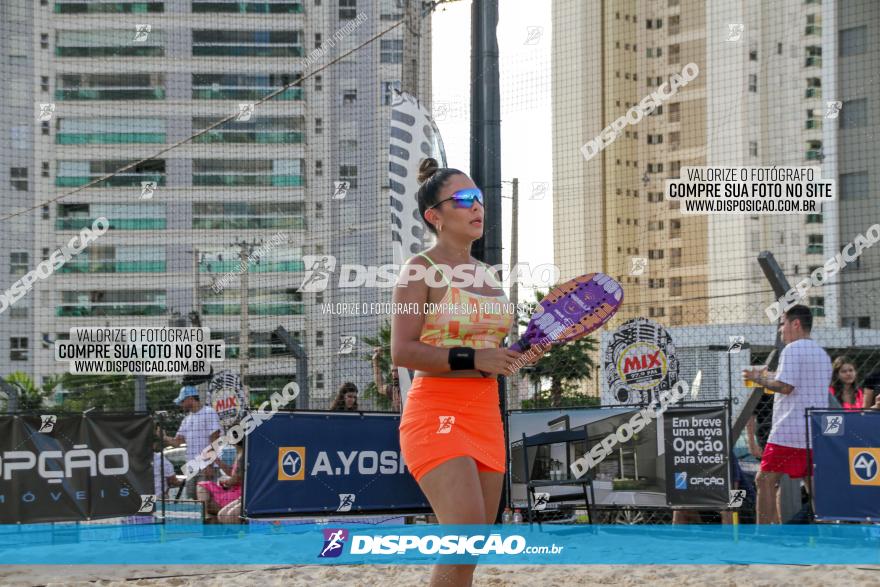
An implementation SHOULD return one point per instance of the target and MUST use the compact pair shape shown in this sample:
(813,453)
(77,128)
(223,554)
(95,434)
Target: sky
(526,148)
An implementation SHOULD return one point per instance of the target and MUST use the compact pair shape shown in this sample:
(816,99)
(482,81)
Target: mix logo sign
(863,463)
(639,361)
(334,541)
(228,397)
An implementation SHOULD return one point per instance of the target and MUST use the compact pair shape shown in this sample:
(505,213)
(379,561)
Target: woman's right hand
(496,361)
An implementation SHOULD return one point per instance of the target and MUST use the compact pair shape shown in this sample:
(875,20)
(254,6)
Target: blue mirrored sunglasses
(463,198)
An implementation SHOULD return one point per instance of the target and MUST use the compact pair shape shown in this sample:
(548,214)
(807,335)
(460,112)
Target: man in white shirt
(198,430)
(801,382)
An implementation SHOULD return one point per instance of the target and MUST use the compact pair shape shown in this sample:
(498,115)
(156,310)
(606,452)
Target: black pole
(486,152)
(302,366)
(486,125)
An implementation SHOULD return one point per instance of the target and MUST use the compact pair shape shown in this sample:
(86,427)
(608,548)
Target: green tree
(383,342)
(566,366)
(114,392)
(30,396)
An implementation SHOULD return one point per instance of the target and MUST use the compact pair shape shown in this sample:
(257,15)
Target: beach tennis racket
(572,310)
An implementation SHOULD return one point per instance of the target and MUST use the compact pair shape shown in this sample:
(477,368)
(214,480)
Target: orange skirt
(449,417)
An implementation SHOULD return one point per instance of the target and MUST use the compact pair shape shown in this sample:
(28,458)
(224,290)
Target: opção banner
(697,455)
(72,468)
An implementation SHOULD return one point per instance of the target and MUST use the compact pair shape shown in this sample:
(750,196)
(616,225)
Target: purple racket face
(572,310)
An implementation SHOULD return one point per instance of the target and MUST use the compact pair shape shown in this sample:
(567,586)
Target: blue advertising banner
(320,462)
(846,457)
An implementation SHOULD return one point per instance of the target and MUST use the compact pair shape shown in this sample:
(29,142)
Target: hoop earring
(439,228)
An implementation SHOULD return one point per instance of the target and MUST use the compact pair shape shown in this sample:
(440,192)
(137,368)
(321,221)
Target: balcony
(244,7)
(115,223)
(233,93)
(118,180)
(814,249)
(85,7)
(813,61)
(257,138)
(813,29)
(272,309)
(815,155)
(813,124)
(245,223)
(264,266)
(110,138)
(110,94)
(813,93)
(88,310)
(242,180)
(87,266)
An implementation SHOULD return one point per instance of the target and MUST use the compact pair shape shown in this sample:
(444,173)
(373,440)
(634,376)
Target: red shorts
(794,462)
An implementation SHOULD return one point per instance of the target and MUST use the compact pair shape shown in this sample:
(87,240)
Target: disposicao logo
(291,463)
(863,466)
(334,541)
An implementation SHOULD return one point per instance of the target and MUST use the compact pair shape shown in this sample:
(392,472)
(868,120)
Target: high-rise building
(140,84)
(766,77)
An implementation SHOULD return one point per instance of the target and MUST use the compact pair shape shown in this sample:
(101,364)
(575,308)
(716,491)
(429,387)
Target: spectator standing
(199,429)
(843,386)
(801,382)
(346,398)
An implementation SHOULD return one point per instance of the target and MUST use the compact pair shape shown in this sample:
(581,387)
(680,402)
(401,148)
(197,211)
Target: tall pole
(409,75)
(514,252)
(486,124)
(486,149)
(519,382)
(140,394)
(195,269)
(243,329)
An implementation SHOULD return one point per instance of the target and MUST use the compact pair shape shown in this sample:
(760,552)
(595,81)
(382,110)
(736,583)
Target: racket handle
(520,346)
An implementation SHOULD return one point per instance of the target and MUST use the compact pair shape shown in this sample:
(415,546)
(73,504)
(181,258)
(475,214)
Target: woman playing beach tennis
(451,435)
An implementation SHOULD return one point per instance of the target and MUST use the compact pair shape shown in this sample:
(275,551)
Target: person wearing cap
(199,429)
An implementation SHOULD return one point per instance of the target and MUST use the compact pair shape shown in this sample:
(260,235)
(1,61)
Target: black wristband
(461,358)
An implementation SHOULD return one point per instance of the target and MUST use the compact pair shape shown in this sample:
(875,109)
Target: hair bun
(427,168)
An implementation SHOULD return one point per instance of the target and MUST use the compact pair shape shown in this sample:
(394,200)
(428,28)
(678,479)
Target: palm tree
(30,397)
(383,343)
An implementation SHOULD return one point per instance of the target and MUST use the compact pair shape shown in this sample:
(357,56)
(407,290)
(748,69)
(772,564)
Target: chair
(566,437)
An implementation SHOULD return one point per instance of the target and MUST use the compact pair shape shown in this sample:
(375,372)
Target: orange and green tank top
(463,318)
